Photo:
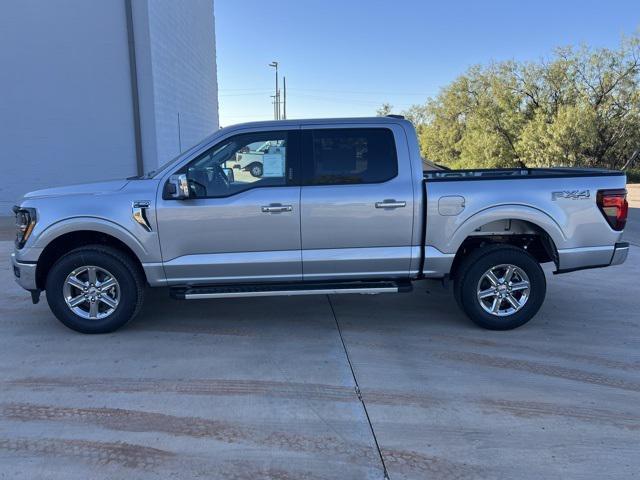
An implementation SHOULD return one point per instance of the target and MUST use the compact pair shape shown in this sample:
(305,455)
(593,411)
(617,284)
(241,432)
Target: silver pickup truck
(344,206)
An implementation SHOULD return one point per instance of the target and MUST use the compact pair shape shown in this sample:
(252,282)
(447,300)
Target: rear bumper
(620,253)
(24,273)
(573,259)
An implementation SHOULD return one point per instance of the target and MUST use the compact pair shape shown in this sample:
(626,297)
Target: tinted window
(239,163)
(350,156)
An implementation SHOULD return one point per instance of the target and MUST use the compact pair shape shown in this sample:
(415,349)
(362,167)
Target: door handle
(276,208)
(390,203)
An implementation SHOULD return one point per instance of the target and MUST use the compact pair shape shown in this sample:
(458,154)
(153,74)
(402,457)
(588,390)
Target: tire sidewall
(468,291)
(258,169)
(126,280)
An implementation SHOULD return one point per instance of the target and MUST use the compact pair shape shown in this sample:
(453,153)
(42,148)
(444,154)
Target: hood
(93,188)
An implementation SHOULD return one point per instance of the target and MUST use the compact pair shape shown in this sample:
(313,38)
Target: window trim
(292,162)
(308,161)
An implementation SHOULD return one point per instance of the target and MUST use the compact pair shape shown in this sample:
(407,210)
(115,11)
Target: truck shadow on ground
(429,303)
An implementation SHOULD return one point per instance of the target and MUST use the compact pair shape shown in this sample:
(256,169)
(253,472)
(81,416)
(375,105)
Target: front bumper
(24,273)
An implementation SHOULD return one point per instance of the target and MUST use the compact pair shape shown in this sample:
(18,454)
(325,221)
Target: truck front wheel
(500,287)
(94,289)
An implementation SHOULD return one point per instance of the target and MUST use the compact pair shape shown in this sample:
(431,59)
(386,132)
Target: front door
(241,223)
(357,203)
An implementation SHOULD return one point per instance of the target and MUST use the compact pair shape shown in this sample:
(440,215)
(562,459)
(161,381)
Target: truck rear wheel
(94,289)
(500,287)
(255,169)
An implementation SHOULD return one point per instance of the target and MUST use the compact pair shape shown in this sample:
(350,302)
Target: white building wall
(65,95)
(175,50)
(66,104)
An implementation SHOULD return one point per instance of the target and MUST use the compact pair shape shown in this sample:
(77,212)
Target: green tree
(384,110)
(579,108)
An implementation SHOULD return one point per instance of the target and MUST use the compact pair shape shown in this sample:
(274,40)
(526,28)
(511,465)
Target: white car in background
(251,158)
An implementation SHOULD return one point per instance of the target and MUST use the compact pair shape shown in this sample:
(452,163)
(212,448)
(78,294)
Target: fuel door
(451,205)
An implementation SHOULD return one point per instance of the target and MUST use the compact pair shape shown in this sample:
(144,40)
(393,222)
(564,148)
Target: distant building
(91,90)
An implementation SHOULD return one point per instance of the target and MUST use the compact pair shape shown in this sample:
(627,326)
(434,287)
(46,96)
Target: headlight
(25,221)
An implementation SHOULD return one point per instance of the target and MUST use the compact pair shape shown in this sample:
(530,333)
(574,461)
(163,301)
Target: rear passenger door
(356,203)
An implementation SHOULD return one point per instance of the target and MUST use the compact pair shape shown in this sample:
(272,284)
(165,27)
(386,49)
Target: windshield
(151,173)
(175,159)
(165,165)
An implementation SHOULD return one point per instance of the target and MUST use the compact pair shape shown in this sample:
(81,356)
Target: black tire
(473,268)
(119,265)
(255,169)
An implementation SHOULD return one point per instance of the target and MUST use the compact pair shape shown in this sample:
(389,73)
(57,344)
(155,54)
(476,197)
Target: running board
(274,290)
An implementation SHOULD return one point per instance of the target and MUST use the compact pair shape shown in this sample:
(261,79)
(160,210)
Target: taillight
(613,205)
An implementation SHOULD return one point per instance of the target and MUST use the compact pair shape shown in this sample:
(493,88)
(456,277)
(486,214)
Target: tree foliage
(580,108)
(384,110)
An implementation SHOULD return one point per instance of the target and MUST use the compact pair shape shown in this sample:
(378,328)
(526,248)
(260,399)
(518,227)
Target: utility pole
(274,64)
(284,104)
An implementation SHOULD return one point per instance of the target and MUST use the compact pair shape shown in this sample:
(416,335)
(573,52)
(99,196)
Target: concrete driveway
(344,387)
(632,229)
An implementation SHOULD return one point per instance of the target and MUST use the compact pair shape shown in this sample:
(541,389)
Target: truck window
(350,156)
(239,163)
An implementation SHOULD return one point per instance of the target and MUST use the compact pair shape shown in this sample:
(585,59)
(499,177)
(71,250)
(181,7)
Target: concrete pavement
(632,229)
(266,387)
(7,227)
(231,389)
(557,398)
(262,388)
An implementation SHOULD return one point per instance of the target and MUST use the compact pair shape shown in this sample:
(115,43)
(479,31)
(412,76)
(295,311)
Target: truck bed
(558,204)
(515,173)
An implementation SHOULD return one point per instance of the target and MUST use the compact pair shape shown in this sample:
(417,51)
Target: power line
(364,92)
(243,94)
(257,117)
(257,91)
(243,89)
(346,100)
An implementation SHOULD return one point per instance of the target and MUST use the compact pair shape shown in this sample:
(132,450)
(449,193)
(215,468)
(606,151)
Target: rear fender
(466,227)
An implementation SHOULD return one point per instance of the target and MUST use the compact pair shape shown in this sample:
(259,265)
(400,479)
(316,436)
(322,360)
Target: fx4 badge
(571,194)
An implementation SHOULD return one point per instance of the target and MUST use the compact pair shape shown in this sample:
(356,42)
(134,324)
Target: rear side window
(349,156)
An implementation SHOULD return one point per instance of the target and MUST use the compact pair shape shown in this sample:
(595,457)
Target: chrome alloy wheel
(91,292)
(503,290)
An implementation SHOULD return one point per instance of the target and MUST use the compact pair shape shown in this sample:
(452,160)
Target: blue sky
(346,57)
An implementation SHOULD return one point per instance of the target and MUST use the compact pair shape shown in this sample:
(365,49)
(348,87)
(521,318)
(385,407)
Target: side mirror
(177,187)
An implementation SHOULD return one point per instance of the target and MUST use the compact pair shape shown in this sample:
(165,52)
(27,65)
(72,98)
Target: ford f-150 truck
(345,208)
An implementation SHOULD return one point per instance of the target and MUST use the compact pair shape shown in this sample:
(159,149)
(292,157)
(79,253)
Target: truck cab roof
(321,121)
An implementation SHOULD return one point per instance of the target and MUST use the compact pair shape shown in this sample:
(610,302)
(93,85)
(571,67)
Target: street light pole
(274,64)
(284,104)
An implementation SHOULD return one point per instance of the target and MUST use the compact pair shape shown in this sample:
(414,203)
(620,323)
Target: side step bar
(274,290)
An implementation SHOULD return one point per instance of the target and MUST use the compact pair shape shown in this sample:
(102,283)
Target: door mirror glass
(177,187)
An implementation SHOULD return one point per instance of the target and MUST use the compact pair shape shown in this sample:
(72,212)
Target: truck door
(236,226)
(356,203)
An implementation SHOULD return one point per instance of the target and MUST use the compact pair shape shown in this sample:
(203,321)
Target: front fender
(95,224)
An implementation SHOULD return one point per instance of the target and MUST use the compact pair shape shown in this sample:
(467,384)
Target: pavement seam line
(358,391)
